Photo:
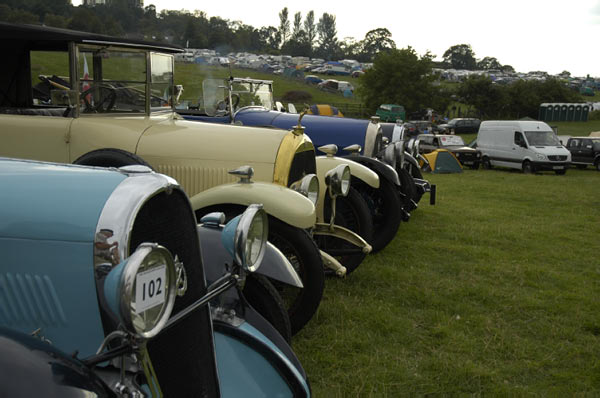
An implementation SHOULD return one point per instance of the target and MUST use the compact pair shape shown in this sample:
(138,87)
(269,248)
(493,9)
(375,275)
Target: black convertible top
(56,39)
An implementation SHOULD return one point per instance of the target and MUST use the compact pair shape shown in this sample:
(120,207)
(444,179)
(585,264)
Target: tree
(488,98)
(269,38)
(375,41)
(297,30)
(489,63)
(328,43)
(401,77)
(310,29)
(284,25)
(460,56)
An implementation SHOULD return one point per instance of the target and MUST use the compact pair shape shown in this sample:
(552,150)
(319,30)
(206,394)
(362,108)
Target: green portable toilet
(555,113)
(577,115)
(570,112)
(542,112)
(548,115)
(563,112)
(585,111)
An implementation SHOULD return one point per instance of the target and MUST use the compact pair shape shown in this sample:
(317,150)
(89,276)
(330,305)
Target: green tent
(442,161)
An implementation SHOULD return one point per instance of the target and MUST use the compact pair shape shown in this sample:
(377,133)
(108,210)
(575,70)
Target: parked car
(584,151)
(466,155)
(391,112)
(460,126)
(114,107)
(104,291)
(525,145)
(386,207)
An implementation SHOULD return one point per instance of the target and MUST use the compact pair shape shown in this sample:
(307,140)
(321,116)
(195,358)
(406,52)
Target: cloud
(595,11)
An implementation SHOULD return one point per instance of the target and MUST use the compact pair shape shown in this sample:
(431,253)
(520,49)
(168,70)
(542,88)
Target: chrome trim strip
(120,211)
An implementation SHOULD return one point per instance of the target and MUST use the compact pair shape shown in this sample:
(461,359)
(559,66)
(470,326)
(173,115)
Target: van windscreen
(542,138)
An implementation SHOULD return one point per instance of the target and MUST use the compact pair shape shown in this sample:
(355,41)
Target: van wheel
(597,164)
(528,167)
(485,163)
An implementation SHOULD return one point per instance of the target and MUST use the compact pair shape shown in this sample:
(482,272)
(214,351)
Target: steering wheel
(108,96)
(223,106)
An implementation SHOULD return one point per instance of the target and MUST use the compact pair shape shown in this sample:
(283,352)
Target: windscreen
(243,93)
(542,138)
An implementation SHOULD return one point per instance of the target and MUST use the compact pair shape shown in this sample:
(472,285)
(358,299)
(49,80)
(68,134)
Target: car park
(585,151)
(460,126)
(466,155)
(529,146)
(76,97)
(104,291)
(359,141)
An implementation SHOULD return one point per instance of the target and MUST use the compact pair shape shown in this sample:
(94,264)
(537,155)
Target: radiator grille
(183,356)
(557,158)
(304,163)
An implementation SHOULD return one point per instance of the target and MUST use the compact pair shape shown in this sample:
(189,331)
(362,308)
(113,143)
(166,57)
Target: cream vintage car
(75,97)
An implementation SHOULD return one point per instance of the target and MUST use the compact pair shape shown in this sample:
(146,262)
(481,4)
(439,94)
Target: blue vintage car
(103,290)
(355,139)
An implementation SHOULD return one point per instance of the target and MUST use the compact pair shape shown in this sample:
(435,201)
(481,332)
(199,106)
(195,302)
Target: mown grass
(494,290)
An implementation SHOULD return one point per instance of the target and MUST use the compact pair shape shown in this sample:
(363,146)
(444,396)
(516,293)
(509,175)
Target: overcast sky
(548,35)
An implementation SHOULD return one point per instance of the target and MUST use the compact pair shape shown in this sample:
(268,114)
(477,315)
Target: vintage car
(466,155)
(104,291)
(76,97)
(357,140)
(584,151)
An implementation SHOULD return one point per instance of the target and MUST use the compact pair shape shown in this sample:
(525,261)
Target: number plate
(557,167)
(150,289)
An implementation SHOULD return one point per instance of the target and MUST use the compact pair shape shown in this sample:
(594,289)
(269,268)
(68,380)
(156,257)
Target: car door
(519,150)
(574,146)
(35,137)
(586,151)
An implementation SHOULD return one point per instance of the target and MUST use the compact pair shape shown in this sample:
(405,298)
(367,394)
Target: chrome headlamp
(141,290)
(245,237)
(338,180)
(308,186)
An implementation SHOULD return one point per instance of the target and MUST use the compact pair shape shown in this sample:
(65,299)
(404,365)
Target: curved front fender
(326,163)
(382,169)
(280,202)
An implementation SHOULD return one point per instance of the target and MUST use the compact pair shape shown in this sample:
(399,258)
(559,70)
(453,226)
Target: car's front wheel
(485,163)
(264,298)
(386,210)
(352,213)
(528,167)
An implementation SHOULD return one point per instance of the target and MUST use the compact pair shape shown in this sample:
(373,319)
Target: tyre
(597,164)
(486,164)
(267,301)
(386,210)
(408,188)
(353,213)
(528,167)
(414,172)
(302,252)
(110,157)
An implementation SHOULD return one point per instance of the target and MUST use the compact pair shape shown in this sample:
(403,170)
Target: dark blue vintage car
(358,140)
(103,290)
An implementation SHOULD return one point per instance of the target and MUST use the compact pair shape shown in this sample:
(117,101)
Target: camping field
(493,291)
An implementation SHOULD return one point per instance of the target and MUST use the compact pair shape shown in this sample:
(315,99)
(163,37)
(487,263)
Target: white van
(526,145)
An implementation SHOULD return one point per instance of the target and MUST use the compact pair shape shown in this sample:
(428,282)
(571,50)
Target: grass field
(494,290)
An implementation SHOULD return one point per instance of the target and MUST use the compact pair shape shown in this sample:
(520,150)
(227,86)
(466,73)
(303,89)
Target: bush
(297,96)
(594,115)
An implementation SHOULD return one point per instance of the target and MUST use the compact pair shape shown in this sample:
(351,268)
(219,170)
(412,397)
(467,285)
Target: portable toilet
(585,110)
(563,112)
(556,113)
(571,113)
(577,115)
